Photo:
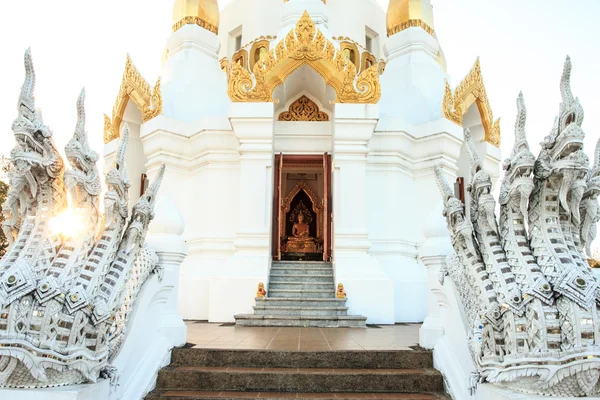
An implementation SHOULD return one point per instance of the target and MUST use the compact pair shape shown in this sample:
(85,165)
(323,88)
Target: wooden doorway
(302,208)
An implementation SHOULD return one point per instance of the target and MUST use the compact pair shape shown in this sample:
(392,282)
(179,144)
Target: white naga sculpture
(528,293)
(65,299)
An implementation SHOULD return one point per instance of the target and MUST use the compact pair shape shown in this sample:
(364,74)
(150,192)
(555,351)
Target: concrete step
(353,359)
(300,311)
(301,264)
(301,293)
(323,278)
(210,395)
(300,380)
(302,285)
(316,321)
(301,302)
(302,271)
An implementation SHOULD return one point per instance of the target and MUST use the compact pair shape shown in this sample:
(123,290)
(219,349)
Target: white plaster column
(253,126)
(433,255)
(412,87)
(192,82)
(233,290)
(370,291)
(165,237)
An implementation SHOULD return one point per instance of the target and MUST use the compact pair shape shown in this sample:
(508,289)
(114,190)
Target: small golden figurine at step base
(340,293)
(261,292)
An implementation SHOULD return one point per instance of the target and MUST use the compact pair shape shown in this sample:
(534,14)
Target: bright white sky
(522,45)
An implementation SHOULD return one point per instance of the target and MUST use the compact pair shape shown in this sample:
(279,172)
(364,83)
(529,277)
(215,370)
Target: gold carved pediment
(303,45)
(134,87)
(303,109)
(472,90)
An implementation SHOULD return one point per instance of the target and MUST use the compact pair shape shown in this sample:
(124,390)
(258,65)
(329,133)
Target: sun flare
(69,223)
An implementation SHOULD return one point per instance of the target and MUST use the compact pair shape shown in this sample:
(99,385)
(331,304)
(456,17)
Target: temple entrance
(302,208)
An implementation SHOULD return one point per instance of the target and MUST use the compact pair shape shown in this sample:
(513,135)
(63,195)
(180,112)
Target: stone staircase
(301,294)
(197,373)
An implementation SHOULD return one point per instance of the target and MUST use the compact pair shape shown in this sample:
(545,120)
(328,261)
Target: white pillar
(165,238)
(433,254)
(253,126)
(370,291)
(234,290)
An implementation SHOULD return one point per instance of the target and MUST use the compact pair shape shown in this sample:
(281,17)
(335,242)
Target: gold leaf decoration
(303,45)
(472,90)
(411,23)
(193,20)
(303,109)
(134,87)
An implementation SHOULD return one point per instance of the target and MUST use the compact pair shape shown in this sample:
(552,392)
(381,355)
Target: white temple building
(338,110)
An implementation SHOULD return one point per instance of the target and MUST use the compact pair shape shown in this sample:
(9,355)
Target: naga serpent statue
(530,299)
(65,299)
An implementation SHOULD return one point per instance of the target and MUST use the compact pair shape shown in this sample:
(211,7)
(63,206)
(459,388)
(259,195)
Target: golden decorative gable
(303,109)
(472,90)
(134,87)
(303,45)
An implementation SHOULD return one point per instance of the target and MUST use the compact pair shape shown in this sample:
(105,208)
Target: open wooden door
(327,206)
(277,171)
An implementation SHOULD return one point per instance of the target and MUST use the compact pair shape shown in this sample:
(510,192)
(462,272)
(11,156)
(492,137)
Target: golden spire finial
(403,14)
(204,13)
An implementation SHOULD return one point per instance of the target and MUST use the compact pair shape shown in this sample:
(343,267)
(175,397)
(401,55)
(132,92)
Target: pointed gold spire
(204,13)
(403,14)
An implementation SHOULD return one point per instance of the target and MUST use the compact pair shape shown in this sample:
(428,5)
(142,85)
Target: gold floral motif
(304,45)
(191,20)
(303,109)
(472,90)
(134,87)
(411,23)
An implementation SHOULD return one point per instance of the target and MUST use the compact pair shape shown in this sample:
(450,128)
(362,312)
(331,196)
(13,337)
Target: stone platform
(301,294)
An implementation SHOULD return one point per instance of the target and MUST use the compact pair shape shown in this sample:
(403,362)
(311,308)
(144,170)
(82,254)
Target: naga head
(562,150)
(593,177)
(78,152)
(34,139)
(117,182)
(480,187)
(142,214)
(80,156)
(566,137)
(518,181)
(460,228)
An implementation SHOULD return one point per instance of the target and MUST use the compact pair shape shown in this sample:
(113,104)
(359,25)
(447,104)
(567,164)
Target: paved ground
(387,337)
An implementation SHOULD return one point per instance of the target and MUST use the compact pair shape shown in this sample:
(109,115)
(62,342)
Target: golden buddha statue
(301,229)
(261,292)
(301,242)
(340,293)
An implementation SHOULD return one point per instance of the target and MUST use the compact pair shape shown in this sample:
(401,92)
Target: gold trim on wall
(196,21)
(304,45)
(303,109)
(472,90)
(411,23)
(134,87)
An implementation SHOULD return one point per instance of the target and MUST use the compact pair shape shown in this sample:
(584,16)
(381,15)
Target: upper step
(301,271)
(302,264)
(357,359)
(302,321)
